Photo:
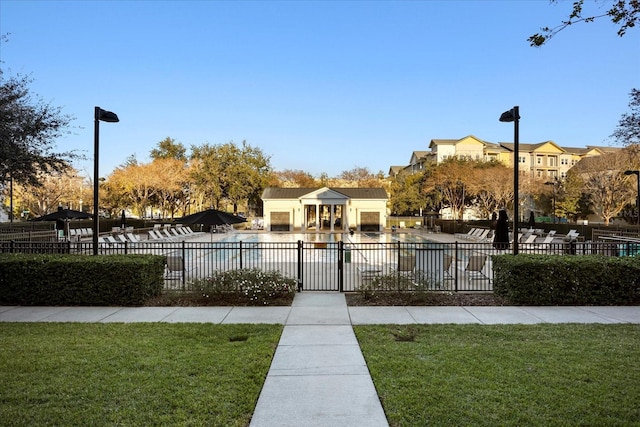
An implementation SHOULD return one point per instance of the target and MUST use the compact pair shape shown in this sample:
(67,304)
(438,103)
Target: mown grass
(132,374)
(551,375)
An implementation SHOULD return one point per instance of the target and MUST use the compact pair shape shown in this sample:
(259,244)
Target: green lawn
(551,375)
(132,374)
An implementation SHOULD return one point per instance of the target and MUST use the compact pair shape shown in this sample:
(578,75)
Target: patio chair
(405,266)
(475,267)
(175,267)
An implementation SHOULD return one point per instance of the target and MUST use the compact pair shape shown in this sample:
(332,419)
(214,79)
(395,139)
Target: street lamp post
(513,115)
(109,117)
(637,174)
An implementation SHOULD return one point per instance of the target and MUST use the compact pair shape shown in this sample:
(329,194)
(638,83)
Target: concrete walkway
(318,376)
(309,304)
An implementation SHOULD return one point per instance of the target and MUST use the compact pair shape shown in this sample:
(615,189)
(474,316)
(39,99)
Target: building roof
(352,193)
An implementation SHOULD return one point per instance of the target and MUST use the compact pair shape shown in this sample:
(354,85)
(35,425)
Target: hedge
(45,279)
(533,279)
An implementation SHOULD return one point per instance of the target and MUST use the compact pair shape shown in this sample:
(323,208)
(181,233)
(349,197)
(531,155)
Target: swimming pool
(317,237)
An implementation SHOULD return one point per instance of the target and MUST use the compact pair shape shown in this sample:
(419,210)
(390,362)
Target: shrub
(399,283)
(45,279)
(255,286)
(567,280)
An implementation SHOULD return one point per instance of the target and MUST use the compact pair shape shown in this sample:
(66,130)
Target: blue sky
(320,86)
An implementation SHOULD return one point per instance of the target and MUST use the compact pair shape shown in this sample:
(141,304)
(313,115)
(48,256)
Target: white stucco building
(324,209)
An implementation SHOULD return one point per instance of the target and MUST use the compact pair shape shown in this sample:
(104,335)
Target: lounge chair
(466,235)
(111,240)
(133,237)
(475,267)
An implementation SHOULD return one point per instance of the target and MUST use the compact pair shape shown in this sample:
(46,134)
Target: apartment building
(542,160)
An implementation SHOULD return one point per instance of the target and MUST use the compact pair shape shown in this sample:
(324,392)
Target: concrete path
(318,376)
(329,314)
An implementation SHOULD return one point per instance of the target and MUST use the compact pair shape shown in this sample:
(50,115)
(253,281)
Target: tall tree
(296,178)
(361,177)
(168,148)
(623,13)
(608,188)
(628,131)
(228,173)
(28,130)
(406,196)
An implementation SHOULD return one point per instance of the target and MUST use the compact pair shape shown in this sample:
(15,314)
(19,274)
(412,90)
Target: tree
(361,177)
(628,131)
(623,13)
(405,193)
(493,187)
(228,173)
(608,188)
(53,189)
(28,129)
(452,179)
(296,179)
(169,149)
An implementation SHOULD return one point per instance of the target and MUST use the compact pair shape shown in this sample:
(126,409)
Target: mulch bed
(353,299)
(170,299)
(425,299)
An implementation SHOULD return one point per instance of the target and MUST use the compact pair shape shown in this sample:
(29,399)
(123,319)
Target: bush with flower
(255,287)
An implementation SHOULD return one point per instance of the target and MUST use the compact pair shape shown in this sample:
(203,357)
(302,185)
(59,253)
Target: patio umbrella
(123,220)
(211,217)
(532,220)
(501,236)
(64,216)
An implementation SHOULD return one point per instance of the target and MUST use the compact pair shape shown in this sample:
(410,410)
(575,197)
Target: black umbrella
(123,220)
(501,236)
(532,220)
(211,217)
(63,214)
(62,217)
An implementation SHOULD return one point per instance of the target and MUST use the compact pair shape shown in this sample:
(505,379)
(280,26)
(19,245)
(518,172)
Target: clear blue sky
(319,86)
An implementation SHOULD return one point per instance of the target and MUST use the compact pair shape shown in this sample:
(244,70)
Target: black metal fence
(334,266)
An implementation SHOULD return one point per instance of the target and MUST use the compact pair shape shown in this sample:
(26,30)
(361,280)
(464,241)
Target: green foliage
(623,13)
(44,279)
(28,129)
(140,374)
(533,279)
(256,286)
(396,282)
(505,375)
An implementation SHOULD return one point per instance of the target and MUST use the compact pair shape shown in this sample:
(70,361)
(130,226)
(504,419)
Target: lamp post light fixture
(513,115)
(109,117)
(637,174)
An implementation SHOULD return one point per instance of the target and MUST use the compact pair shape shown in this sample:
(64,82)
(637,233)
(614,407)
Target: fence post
(455,266)
(184,265)
(300,259)
(240,254)
(340,266)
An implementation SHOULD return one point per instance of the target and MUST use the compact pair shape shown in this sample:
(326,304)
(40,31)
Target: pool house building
(324,209)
